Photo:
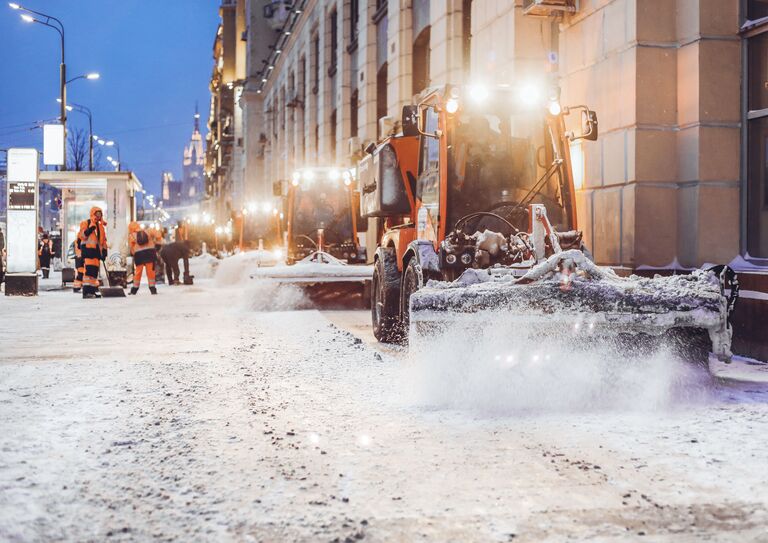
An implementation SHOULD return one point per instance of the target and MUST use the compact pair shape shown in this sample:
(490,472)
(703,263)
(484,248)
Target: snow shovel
(111,291)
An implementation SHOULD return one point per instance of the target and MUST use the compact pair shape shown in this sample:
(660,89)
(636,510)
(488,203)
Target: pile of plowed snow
(203,266)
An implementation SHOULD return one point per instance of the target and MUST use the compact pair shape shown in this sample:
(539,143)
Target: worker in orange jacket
(142,244)
(93,248)
(77,286)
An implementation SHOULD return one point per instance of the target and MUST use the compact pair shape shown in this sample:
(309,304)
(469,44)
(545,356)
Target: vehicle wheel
(385,306)
(413,280)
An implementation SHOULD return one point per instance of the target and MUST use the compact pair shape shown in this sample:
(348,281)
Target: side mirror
(589,125)
(370,148)
(410,120)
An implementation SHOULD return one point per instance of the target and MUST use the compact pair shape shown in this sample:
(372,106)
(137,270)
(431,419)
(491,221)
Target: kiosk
(21,240)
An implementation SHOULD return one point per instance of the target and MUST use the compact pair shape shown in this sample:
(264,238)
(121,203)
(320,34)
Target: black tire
(385,302)
(413,280)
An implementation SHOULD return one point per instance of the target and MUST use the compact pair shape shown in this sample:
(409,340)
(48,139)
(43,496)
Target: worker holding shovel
(93,247)
(144,256)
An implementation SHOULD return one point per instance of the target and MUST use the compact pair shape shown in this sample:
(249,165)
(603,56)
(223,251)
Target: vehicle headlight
(452,105)
(554,108)
(278,254)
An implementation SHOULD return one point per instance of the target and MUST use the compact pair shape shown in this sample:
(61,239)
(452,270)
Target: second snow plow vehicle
(478,205)
(323,252)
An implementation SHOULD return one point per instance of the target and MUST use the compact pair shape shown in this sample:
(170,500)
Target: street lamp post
(58,27)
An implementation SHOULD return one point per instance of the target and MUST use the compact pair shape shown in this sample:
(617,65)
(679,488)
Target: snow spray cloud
(270,295)
(511,367)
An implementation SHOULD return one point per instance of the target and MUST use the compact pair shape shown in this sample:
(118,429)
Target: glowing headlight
(554,108)
(478,93)
(452,105)
(308,175)
(278,254)
(529,94)
(334,175)
(267,207)
(296,176)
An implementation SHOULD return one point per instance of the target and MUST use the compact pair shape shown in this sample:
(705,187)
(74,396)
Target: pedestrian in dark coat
(45,254)
(171,254)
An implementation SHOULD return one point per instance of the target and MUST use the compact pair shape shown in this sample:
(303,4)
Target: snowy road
(188,416)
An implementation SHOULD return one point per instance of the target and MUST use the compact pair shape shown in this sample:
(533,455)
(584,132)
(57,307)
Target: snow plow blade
(568,296)
(327,281)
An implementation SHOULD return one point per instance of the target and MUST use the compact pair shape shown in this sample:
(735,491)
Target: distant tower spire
(197,118)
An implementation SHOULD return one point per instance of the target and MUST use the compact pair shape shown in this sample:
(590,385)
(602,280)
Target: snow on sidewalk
(188,416)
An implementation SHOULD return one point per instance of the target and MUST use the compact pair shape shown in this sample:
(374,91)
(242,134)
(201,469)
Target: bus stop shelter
(114,192)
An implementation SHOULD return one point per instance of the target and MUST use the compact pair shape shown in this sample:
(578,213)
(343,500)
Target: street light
(91,76)
(58,26)
(110,143)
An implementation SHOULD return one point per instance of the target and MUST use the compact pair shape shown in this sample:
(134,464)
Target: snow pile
(237,269)
(203,266)
(503,370)
(545,292)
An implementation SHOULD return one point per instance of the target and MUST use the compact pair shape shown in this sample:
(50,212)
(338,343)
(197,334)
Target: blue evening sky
(154,57)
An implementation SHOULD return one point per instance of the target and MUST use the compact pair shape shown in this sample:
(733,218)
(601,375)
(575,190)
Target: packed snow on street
(228,411)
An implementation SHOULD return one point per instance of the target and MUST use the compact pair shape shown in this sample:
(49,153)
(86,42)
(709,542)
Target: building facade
(678,176)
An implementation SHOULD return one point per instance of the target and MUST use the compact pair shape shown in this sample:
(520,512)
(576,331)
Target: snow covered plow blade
(325,280)
(568,297)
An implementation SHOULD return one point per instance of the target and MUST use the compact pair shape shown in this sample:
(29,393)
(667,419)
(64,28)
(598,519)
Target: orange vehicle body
(457,162)
(399,231)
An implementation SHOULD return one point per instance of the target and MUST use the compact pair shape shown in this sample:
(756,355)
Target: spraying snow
(236,269)
(265,295)
(494,371)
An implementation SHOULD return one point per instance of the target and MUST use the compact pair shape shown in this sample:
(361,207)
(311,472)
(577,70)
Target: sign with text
(53,144)
(21,242)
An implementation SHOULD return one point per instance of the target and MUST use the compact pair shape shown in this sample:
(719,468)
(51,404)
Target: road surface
(190,416)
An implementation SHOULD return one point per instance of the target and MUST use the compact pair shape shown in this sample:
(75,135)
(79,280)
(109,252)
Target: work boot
(88,295)
(134,290)
(153,290)
(76,290)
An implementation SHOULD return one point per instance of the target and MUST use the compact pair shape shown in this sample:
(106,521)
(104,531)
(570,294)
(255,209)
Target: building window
(757,9)
(315,63)
(354,24)
(757,143)
(333,22)
(353,105)
(333,135)
(466,35)
(381,94)
(302,80)
(420,61)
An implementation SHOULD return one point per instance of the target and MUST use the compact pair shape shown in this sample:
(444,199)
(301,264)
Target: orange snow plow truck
(477,224)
